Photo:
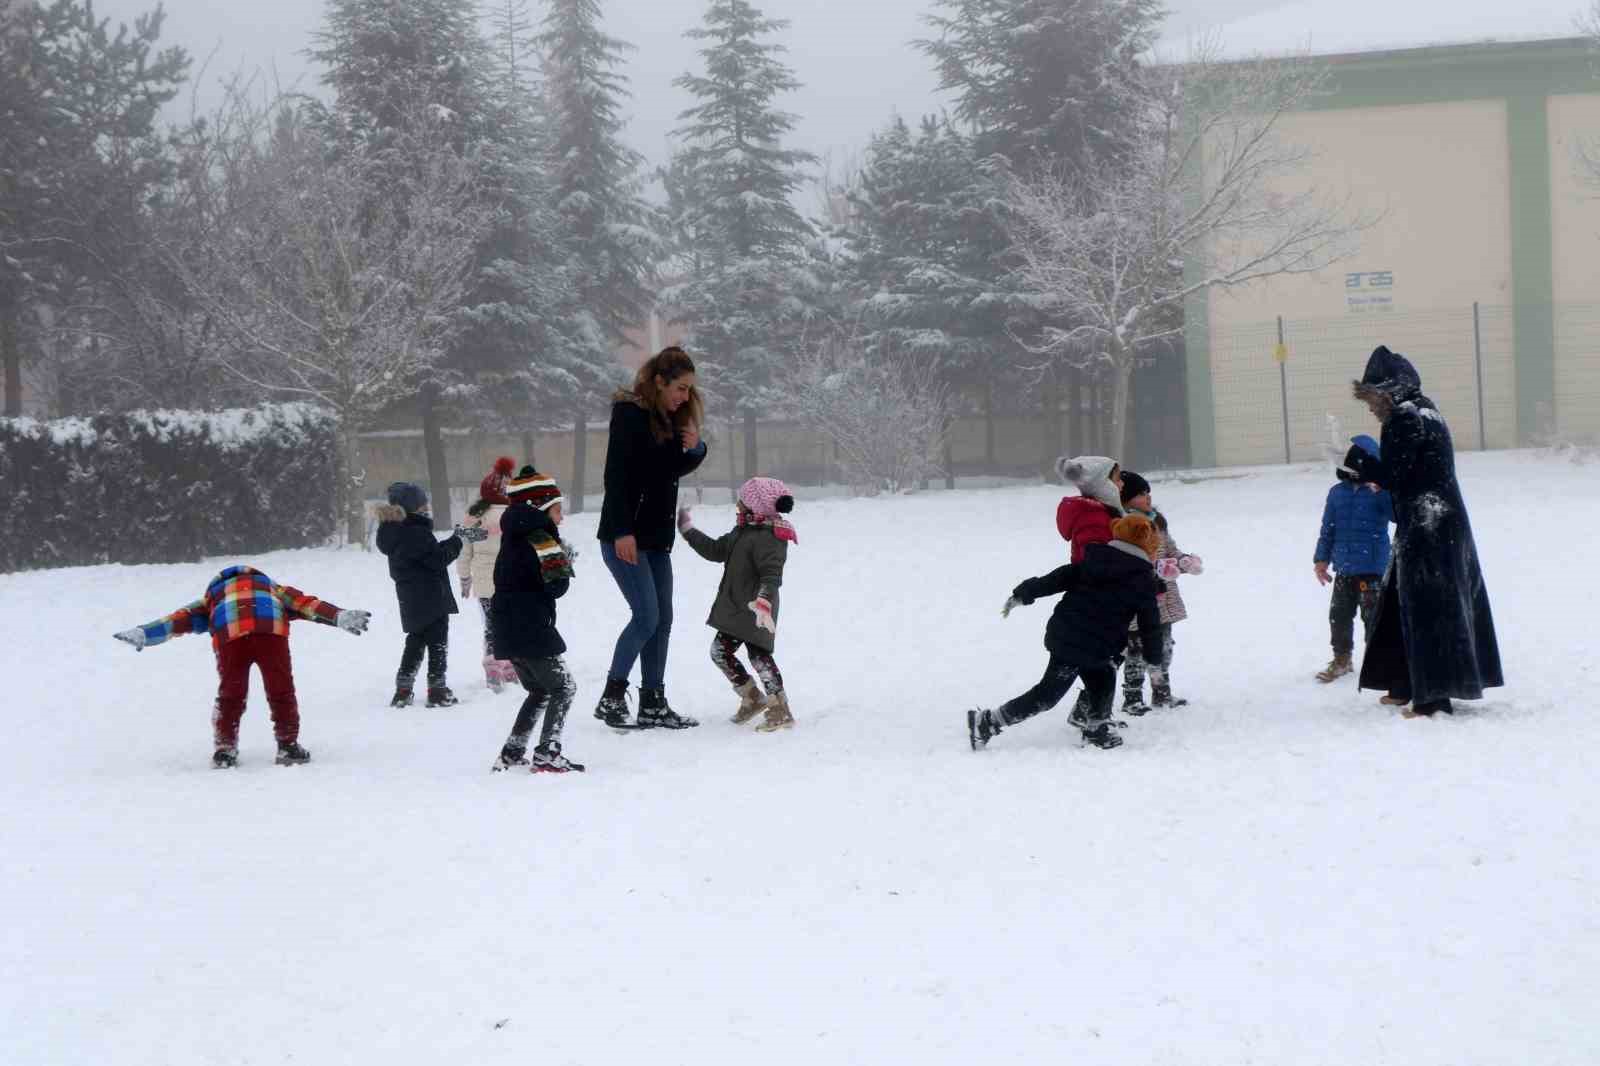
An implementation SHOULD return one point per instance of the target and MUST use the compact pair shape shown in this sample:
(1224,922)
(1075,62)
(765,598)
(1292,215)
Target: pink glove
(763,613)
(685,522)
(1191,564)
(1166,569)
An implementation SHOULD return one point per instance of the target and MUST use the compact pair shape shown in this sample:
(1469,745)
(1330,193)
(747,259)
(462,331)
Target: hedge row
(164,486)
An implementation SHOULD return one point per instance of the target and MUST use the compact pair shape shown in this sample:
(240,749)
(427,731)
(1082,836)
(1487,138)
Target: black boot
(402,698)
(511,755)
(1102,736)
(982,727)
(613,706)
(225,758)
(291,754)
(655,713)
(441,697)
(1133,703)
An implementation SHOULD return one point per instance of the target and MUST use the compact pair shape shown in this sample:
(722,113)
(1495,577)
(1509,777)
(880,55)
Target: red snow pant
(270,652)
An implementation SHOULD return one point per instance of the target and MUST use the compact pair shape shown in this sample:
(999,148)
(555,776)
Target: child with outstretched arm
(248,616)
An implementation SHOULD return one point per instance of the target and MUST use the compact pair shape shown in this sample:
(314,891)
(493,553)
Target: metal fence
(1275,383)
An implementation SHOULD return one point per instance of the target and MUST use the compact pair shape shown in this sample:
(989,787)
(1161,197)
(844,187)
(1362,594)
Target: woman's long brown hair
(669,364)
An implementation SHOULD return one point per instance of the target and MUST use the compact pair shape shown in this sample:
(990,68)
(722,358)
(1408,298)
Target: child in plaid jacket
(248,616)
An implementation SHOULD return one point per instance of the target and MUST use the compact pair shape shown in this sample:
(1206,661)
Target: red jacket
(1083,521)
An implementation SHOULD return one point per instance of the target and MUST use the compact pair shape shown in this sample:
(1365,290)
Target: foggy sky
(853,56)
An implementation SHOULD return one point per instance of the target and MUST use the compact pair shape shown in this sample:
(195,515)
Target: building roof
(1337,27)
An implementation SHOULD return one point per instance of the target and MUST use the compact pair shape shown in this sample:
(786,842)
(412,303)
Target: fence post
(1477,352)
(1281,354)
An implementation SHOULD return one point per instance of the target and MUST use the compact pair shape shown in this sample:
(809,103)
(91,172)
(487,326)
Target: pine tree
(606,226)
(78,151)
(749,296)
(1044,82)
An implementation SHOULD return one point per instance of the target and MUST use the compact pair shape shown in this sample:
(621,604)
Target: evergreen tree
(78,152)
(751,290)
(1044,82)
(606,227)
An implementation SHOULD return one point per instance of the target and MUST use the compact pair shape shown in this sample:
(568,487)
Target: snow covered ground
(1279,873)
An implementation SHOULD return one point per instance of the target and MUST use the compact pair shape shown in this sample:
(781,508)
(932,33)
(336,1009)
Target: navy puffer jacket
(1355,524)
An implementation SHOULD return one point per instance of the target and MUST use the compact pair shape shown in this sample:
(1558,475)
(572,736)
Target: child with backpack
(419,565)
(1354,542)
(745,612)
(248,616)
(1115,584)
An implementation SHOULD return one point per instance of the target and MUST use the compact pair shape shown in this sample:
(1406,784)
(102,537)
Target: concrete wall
(1439,174)
(1575,224)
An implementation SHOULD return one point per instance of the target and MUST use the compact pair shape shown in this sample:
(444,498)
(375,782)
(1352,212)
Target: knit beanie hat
(766,497)
(1139,531)
(411,497)
(493,486)
(1133,485)
(530,486)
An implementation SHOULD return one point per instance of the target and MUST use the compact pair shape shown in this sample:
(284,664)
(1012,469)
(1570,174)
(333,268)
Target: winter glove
(685,520)
(566,546)
(134,636)
(472,534)
(466,587)
(1191,564)
(353,621)
(1011,601)
(763,613)
(1166,569)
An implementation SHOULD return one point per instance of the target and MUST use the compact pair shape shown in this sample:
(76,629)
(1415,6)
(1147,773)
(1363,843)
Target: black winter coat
(522,614)
(1113,586)
(419,563)
(1434,633)
(642,480)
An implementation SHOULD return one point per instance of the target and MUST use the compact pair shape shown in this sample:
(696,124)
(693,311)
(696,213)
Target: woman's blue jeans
(648,589)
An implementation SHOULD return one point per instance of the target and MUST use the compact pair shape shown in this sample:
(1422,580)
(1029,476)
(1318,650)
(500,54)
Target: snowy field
(1279,873)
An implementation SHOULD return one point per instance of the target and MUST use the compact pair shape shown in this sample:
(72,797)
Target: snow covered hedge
(164,486)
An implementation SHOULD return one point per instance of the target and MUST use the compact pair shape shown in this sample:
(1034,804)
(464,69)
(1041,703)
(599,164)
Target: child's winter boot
(656,713)
(1161,695)
(1133,703)
(982,727)
(551,761)
(510,756)
(441,697)
(752,701)
(1102,736)
(778,714)
(1336,669)
(613,706)
(225,758)
(402,698)
(291,754)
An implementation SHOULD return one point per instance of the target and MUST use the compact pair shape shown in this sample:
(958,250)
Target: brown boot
(1394,701)
(1339,667)
(778,716)
(752,701)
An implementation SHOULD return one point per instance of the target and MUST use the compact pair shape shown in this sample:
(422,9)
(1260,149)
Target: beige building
(1481,268)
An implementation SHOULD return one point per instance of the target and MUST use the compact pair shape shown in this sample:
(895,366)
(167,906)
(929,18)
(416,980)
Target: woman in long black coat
(1433,640)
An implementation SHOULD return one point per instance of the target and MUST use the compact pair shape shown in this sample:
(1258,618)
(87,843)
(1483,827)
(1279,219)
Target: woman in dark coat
(1433,640)
(654,441)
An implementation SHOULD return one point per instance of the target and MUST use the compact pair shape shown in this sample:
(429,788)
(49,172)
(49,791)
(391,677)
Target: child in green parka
(745,611)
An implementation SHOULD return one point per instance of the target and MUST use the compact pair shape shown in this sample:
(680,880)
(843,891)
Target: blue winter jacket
(1355,525)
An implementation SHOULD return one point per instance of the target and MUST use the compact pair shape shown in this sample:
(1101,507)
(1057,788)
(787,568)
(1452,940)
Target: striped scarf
(555,560)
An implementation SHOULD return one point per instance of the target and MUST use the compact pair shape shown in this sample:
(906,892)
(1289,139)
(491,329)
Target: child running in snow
(1355,541)
(534,570)
(419,564)
(475,564)
(248,616)
(745,611)
(1114,585)
(1170,562)
(1086,518)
